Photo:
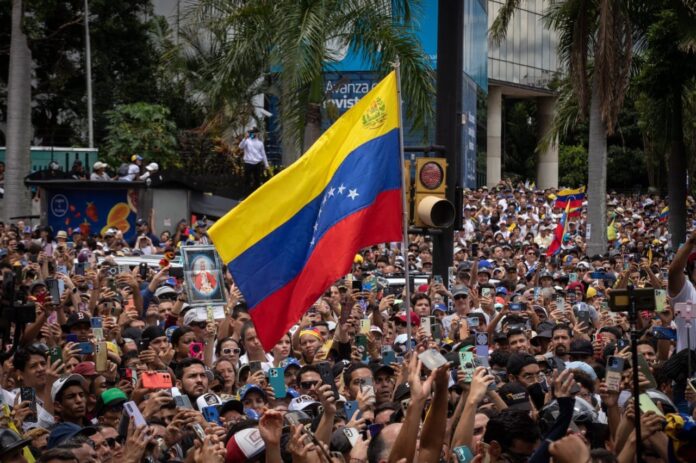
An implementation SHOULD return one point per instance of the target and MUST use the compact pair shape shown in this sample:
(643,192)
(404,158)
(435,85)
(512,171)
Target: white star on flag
(331,191)
(352,194)
(341,189)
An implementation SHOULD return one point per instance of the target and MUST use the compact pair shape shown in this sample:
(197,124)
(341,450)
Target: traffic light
(431,207)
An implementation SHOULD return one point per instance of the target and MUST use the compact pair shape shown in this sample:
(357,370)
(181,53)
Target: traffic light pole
(450,55)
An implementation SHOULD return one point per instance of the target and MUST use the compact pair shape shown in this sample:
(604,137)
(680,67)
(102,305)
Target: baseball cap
(65,381)
(77,318)
(232,405)
(290,362)
(518,361)
(166,291)
(64,431)
(459,290)
(99,165)
(193,316)
(152,332)
(110,398)
(244,445)
(515,396)
(62,234)
(247,388)
(10,442)
(208,400)
(581,347)
(584,367)
(301,403)
(415,319)
(85,369)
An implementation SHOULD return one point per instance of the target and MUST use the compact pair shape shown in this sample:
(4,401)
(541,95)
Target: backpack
(123,170)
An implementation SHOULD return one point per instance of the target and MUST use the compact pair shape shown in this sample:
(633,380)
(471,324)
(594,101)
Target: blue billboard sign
(92,211)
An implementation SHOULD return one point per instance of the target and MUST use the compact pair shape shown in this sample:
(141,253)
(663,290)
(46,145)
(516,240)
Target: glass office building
(527,56)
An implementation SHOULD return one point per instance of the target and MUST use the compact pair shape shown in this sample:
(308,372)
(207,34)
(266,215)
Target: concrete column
(494,132)
(547,166)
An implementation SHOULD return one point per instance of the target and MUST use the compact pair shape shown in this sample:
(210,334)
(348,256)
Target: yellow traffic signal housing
(431,207)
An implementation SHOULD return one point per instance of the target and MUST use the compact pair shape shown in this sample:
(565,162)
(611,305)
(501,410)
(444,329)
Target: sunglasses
(112,441)
(308,384)
(198,324)
(231,350)
(460,296)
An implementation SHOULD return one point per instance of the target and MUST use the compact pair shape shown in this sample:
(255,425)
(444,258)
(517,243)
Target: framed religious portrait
(203,275)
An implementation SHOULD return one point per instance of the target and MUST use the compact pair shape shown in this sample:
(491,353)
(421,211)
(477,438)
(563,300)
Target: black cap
(379,367)
(232,405)
(581,347)
(77,318)
(10,441)
(464,267)
(515,396)
(140,222)
(151,333)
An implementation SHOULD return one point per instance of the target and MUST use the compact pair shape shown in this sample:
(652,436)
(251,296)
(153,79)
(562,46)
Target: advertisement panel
(92,212)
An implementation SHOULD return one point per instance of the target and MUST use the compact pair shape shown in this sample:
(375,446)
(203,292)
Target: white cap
(300,403)
(100,165)
(249,441)
(152,167)
(208,400)
(62,382)
(194,315)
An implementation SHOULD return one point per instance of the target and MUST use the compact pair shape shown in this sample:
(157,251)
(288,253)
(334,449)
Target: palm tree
(596,41)
(16,200)
(288,44)
(669,69)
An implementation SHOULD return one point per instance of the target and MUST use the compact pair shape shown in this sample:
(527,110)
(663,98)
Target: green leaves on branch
(140,128)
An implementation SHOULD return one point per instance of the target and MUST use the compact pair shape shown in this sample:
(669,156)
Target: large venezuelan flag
(298,233)
(574,198)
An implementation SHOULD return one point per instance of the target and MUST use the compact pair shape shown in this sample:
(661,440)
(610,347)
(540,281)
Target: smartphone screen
(134,412)
(53,290)
(615,367)
(28,394)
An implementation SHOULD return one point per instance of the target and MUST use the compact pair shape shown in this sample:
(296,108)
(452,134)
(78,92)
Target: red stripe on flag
(331,259)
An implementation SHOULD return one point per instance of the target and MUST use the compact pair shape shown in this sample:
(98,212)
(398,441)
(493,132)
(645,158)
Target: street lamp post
(88,68)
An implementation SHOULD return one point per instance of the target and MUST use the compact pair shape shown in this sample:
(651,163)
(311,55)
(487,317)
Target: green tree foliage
(520,139)
(572,166)
(125,65)
(140,128)
(295,41)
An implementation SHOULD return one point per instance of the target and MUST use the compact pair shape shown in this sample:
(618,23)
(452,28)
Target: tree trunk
(290,142)
(17,159)
(312,130)
(677,172)
(597,178)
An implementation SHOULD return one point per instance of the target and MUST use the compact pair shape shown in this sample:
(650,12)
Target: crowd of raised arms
(515,355)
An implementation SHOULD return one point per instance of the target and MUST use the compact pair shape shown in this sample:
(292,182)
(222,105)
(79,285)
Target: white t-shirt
(687,293)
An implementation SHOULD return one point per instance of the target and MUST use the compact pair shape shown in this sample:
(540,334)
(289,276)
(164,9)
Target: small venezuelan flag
(664,215)
(298,233)
(558,234)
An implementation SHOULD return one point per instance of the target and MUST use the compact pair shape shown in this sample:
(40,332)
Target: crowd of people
(514,356)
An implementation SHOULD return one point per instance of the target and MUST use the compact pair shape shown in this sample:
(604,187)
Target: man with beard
(561,336)
(191,378)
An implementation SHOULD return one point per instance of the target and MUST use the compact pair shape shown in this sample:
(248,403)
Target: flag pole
(404,245)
